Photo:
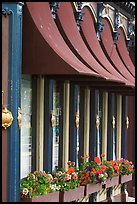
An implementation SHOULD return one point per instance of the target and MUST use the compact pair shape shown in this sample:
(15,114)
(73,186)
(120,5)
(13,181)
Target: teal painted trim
(94,132)
(81,125)
(48,130)
(14,96)
(74,90)
(94,140)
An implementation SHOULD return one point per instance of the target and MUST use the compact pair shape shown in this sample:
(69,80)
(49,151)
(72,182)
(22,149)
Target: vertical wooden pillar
(5,61)
(111,135)
(48,130)
(117,191)
(94,149)
(81,124)
(40,123)
(66,124)
(72,127)
(86,121)
(13,10)
(103,193)
(124,193)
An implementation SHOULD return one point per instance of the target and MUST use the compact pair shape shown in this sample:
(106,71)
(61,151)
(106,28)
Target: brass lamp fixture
(97,121)
(7,117)
(127,122)
(113,122)
(77,120)
(52,120)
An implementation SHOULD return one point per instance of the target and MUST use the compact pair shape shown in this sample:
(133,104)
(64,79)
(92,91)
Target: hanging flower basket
(50,197)
(111,182)
(125,178)
(72,195)
(92,188)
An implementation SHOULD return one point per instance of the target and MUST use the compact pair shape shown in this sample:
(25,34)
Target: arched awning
(112,54)
(123,52)
(68,28)
(56,48)
(44,50)
(90,38)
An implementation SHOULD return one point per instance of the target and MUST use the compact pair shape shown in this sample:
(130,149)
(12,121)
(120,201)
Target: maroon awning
(123,52)
(90,38)
(44,50)
(67,26)
(112,54)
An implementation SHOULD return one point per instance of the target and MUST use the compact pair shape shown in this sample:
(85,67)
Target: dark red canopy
(123,52)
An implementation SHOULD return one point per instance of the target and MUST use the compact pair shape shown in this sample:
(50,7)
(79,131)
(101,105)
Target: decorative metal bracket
(79,15)
(7,118)
(52,120)
(19,118)
(6,12)
(77,120)
(116,24)
(100,26)
(127,122)
(130,33)
(53,8)
(97,122)
(113,122)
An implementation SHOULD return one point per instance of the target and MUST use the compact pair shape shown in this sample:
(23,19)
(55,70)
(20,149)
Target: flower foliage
(67,179)
(37,183)
(92,171)
(96,171)
(126,167)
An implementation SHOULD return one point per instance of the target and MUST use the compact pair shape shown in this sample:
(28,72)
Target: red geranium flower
(97,160)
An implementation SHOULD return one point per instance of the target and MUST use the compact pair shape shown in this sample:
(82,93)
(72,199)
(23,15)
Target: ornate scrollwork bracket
(127,122)
(97,121)
(113,122)
(77,120)
(7,117)
(6,12)
(19,117)
(52,120)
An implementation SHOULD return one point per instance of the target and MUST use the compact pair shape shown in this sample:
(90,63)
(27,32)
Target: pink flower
(42,173)
(25,191)
(35,172)
(67,178)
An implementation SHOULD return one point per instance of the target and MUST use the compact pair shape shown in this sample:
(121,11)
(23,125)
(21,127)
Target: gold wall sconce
(97,122)
(52,120)
(7,117)
(127,122)
(77,120)
(113,122)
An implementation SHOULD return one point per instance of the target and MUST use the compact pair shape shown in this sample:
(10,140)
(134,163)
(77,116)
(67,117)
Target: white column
(66,124)
(118,134)
(40,123)
(102,194)
(86,121)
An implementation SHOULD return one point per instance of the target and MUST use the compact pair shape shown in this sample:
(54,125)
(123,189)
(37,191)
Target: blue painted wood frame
(94,132)
(124,132)
(74,90)
(111,132)
(14,10)
(81,124)
(49,86)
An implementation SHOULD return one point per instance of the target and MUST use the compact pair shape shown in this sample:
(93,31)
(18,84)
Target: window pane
(26,128)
